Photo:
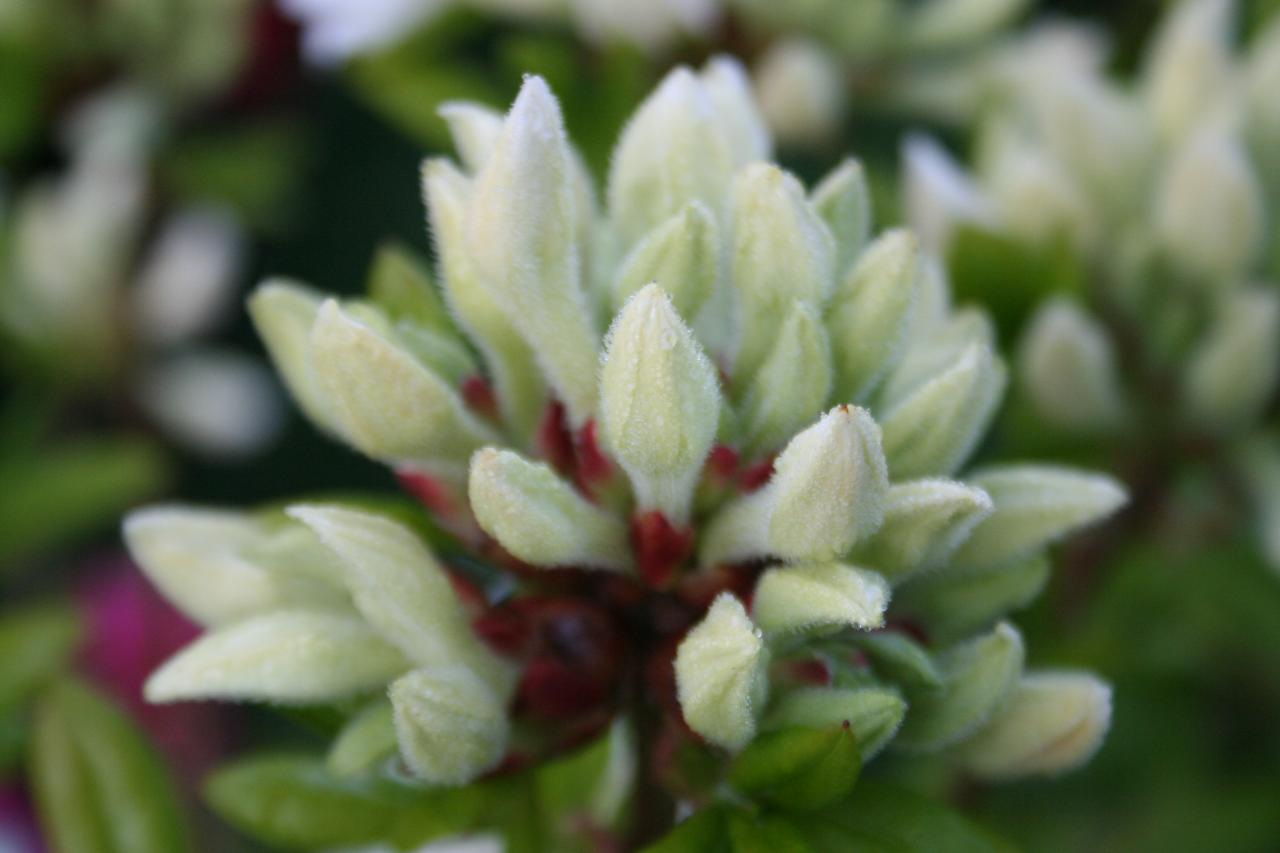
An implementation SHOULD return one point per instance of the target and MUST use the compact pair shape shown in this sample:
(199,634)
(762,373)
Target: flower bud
(819,595)
(978,677)
(287,656)
(873,713)
(1035,505)
(539,518)
(1037,199)
(283,313)
(954,604)
(475,129)
(1232,373)
(523,238)
(512,367)
(801,92)
(938,339)
(897,657)
(389,405)
(1262,107)
(451,725)
(925,521)
(1067,367)
(938,194)
(1053,722)
(673,151)
(792,384)
(720,675)
(843,201)
(782,253)
(940,25)
(729,88)
(681,255)
(1209,217)
(871,311)
(365,740)
(1190,67)
(660,402)
(400,589)
(935,428)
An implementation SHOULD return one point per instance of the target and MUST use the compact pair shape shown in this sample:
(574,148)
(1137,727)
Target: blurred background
(159,157)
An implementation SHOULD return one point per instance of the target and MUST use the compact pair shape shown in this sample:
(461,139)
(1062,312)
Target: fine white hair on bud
(1190,68)
(682,255)
(659,402)
(843,200)
(729,88)
(792,384)
(1067,368)
(1035,505)
(925,521)
(819,596)
(1053,722)
(523,237)
(390,405)
(720,675)
(451,725)
(1233,370)
(782,252)
(475,129)
(540,518)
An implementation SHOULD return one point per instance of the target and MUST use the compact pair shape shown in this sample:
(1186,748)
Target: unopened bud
(843,201)
(873,713)
(720,675)
(1190,67)
(1233,371)
(792,384)
(682,255)
(925,521)
(1067,367)
(283,313)
(729,88)
(801,91)
(450,724)
(475,129)
(819,595)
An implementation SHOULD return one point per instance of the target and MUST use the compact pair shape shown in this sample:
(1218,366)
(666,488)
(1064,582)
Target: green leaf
(291,801)
(706,831)
(882,818)
(765,834)
(799,768)
(99,785)
(368,738)
(899,658)
(35,643)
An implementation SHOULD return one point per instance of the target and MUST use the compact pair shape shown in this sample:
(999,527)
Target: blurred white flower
(801,92)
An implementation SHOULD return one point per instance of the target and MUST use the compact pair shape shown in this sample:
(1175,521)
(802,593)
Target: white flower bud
(1037,199)
(924,522)
(792,384)
(978,677)
(873,713)
(939,25)
(782,252)
(288,656)
(938,340)
(400,589)
(935,428)
(1035,505)
(1233,371)
(475,129)
(682,255)
(283,313)
(519,386)
(729,88)
(540,518)
(938,194)
(801,92)
(954,604)
(660,402)
(1067,368)
(720,675)
(1209,215)
(389,405)
(523,238)
(1053,722)
(843,201)
(451,725)
(870,313)
(819,595)
(674,150)
(1190,67)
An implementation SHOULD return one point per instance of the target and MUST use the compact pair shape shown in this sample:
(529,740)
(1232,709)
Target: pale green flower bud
(519,386)
(720,675)
(451,725)
(1053,722)
(782,252)
(924,522)
(819,595)
(400,589)
(792,384)
(660,402)
(1035,505)
(475,129)
(935,428)
(1038,200)
(1209,215)
(871,311)
(1067,368)
(938,340)
(287,656)
(540,518)
(954,604)
(523,238)
(873,713)
(843,201)
(948,24)
(729,88)
(1190,67)
(364,741)
(682,255)
(897,657)
(1233,371)
(389,405)
(938,194)
(801,92)
(674,150)
(283,313)
(978,678)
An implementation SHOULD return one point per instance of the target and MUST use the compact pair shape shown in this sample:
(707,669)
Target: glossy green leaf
(799,768)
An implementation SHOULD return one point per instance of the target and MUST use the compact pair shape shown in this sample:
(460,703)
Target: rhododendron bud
(792,384)
(720,675)
(1189,68)
(1233,371)
(873,714)
(925,521)
(1067,366)
(801,92)
(451,725)
(819,595)
(843,200)
(682,256)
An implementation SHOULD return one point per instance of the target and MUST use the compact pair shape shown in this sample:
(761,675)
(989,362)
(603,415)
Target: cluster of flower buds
(701,458)
(1165,193)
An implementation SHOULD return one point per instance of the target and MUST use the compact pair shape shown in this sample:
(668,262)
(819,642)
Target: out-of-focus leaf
(707,831)
(99,786)
(799,769)
(34,644)
(881,818)
(13,740)
(61,493)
